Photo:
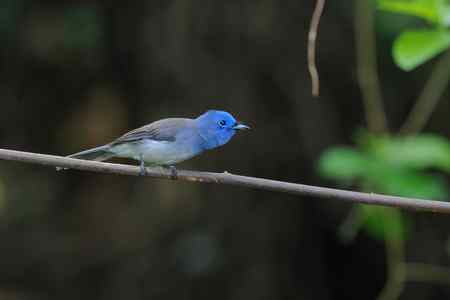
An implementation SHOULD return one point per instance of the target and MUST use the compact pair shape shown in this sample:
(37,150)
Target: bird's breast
(159,152)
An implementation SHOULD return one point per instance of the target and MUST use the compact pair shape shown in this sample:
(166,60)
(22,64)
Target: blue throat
(215,139)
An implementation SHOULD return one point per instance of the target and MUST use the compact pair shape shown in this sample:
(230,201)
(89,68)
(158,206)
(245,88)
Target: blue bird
(169,141)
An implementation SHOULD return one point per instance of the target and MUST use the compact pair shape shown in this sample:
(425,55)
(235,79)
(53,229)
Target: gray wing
(162,130)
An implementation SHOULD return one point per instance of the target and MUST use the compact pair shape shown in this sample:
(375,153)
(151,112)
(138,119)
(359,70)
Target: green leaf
(444,12)
(384,222)
(413,48)
(425,9)
(393,180)
(342,163)
(418,152)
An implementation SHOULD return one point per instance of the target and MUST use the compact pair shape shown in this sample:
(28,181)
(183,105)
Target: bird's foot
(173,172)
(142,169)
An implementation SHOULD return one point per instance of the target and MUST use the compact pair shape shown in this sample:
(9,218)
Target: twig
(230,179)
(427,273)
(400,273)
(351,225)
(429,98)
(312,36)
(396,271)
(367,67)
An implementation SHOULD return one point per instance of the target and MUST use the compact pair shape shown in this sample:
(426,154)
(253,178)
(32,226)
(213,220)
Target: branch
(427,273)
(396,272)
(312,36)
(229,179)
(429,98)
(366,56)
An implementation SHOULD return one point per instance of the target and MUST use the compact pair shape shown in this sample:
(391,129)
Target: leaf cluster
(402,166)
(414,47)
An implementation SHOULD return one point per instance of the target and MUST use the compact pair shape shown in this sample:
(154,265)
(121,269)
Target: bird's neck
(209,141)
(212,137)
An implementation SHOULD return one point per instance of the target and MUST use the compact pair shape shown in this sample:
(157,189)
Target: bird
(169,141)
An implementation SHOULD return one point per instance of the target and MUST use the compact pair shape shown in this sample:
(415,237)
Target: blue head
(217,128)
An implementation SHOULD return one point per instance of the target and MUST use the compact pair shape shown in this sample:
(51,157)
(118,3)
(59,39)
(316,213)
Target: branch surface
(229,179)
(432,92)
(312,36)
(367,72)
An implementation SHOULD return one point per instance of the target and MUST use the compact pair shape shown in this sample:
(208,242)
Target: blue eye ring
(222,123)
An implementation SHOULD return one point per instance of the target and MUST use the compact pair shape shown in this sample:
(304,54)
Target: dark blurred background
(76,74)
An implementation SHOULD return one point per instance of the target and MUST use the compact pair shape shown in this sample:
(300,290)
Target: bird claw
(173,172)
(142,171)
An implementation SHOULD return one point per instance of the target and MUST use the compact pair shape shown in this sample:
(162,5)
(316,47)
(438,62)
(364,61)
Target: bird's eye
(222,123)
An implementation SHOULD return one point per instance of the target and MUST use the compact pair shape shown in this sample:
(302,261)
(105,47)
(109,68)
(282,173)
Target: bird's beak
(240,126)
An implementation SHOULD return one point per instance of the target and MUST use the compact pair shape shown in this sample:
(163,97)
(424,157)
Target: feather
(162,130)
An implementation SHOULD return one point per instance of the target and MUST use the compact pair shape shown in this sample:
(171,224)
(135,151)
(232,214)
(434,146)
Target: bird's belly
(156,152)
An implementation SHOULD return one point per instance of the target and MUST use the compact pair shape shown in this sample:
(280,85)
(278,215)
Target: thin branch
(229,179)
(366,56)
(351,225)
(427,273)
(396,271)
(429,98)
(312,36)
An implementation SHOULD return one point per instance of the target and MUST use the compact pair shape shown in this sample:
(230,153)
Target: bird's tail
(98,154)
